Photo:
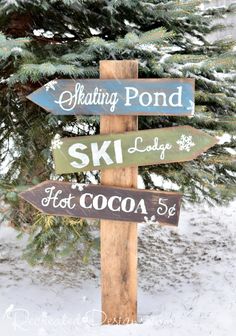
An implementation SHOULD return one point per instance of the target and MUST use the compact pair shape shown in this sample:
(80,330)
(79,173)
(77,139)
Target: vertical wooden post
(119,240)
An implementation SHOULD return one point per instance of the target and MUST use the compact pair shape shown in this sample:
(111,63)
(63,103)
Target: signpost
(103,202)
(119,242)
(119,97)
(139,148)
(164,96)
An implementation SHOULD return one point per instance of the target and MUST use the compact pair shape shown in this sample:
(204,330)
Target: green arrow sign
(140,148)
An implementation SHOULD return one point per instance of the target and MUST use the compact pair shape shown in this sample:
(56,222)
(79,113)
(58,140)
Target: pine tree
(43,40)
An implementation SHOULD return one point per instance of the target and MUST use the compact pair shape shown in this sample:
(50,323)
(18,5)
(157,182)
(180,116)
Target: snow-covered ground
(187,284)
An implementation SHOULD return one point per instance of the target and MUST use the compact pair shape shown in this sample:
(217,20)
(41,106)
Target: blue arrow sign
(117,97)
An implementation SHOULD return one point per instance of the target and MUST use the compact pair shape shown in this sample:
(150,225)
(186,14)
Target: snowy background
(187,278)
(187,283)
(228,20)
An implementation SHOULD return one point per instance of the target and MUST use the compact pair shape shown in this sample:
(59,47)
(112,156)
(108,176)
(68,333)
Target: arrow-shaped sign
(103,202)
(139,148)
(124,97)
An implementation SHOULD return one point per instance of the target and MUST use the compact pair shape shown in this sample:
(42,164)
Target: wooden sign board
(139,148)
(115,96)
(103,202)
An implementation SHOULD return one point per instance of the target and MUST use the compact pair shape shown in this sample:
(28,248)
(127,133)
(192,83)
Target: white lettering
(111,203)
(128,204)
(128,97)
(99,199)
(82,200)
(157,95)
(142,206)
(155,147)
(118,151)
(72,151)
(101,153)
(68,100)
(162,210)
(178,96)
(53,199)
(149,99)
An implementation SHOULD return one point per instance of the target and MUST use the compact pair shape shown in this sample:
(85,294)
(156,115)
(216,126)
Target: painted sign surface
(123,97)
(103,202)
(139,148)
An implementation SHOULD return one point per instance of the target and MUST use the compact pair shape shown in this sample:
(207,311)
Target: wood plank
(104,202)
(163,96)
(119,243)
(139,148)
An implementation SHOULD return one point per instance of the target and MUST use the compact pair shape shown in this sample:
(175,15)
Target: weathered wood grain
(139,148)
(165,96)
(119,243)
(104,202)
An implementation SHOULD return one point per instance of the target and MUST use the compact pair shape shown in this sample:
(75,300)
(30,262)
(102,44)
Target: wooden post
(119,239)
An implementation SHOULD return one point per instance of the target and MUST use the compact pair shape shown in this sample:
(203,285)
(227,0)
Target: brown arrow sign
(103,202)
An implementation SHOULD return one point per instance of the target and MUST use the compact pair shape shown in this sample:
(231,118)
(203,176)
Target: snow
(42,32)
(68,35)
(147,47)
(17,50)
(164,58)
(38,32)
(131,24)
(48,34)
(226,137)
(187,283)
(94,31)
